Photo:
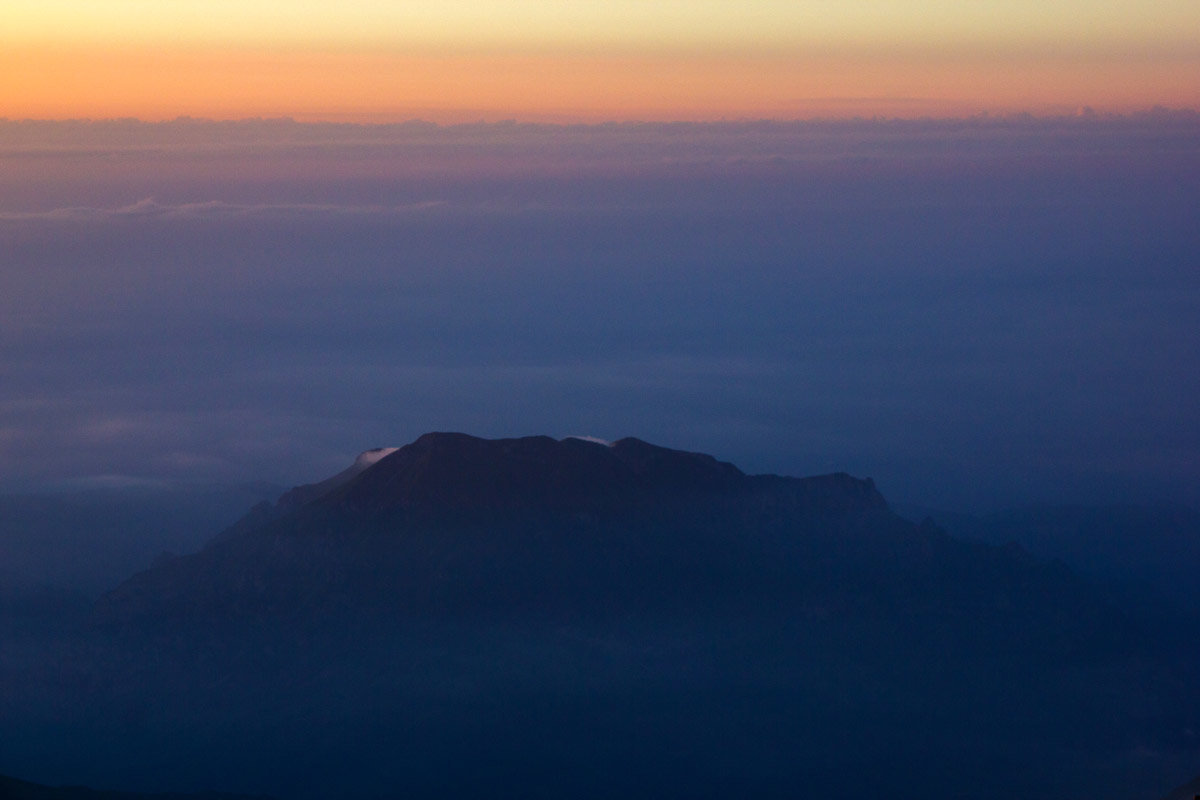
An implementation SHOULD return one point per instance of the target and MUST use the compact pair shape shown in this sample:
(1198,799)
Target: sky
(376,61)
(947,245)
(975,313)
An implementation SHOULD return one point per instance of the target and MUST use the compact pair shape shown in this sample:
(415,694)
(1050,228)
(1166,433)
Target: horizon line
(1083,113)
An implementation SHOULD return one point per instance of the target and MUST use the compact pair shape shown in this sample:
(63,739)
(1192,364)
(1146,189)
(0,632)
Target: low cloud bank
(151,208)
(973,312)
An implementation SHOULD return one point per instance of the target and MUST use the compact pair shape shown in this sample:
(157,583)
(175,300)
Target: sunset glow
(374,61)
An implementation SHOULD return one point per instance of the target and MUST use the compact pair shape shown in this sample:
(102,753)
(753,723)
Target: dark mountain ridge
(572,618)
(1153,550)
(445,474)
(454,475)
(572,529)
(456,521)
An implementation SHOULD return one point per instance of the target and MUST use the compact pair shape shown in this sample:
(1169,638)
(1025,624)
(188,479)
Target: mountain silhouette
(1188,791)
(454,526)
(455,523)
(453,474)
(575,618)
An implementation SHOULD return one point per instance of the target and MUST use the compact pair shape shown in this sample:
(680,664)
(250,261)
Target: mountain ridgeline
(551,618)
(456,524)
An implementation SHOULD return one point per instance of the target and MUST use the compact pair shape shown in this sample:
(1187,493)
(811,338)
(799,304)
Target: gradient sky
(369,60)
(187,299)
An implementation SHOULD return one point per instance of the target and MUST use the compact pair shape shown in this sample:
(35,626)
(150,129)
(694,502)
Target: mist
(976,313)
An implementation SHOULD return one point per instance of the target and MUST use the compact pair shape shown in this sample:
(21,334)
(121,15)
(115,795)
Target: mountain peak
(459,473)
(456,477)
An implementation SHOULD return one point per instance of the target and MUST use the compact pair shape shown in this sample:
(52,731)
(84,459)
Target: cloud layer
(972,313)
(149,208)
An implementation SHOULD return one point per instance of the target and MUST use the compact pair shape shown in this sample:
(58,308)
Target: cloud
(149,208)
(592,439)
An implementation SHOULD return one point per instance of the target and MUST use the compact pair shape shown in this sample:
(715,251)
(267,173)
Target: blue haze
(977,314)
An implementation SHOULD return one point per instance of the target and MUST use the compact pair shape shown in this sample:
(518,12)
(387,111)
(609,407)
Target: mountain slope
(1187,791)
(1155,548)
(89,539)
(577,619)
(452,520)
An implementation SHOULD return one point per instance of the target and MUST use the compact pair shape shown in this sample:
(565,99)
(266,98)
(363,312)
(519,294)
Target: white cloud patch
(592,439)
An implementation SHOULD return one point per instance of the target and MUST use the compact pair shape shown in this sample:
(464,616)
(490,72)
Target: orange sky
(114,58)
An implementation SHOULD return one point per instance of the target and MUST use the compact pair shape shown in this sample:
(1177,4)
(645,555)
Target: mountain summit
(452,520)
(454,472)
(455,476)
(585,619)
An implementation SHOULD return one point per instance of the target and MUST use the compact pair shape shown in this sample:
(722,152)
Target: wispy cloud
(149,208)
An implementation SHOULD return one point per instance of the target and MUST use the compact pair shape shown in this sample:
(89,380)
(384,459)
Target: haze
(975,313)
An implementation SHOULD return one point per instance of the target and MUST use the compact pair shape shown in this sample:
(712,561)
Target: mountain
(1144,557)
(450,474)
(265,511)
(548,617)
(1188,791)
(87,540)
(456,524)
(302,494)
(1145,548)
